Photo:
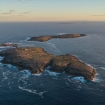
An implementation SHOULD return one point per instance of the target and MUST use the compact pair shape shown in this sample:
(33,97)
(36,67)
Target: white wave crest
(27,38)
(32,91)
(61,33)
(8,65)
(97,79)
(26,73)
(53,46)
(1,58)
(89,65)
(37,74)
(79,78)
(1,64)
(6,47)
(51,73)
(102,68)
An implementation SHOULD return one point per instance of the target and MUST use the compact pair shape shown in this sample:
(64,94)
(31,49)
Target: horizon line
(55,21)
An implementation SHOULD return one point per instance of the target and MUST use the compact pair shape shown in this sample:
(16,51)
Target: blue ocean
(50,88)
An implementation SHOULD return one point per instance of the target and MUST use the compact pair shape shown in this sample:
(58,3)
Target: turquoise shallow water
(21,87)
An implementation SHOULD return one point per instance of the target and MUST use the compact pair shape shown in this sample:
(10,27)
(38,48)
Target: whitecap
(11,66)
(51,73)
(70,76)
(1,64)
(1,58)
(102,68)
(8,65)
(5,76)
(37,74)
(32,91)
(26,39)
(79,78)
(6,47)
(26,73)
(89,65)
(1,50)
(52,45)
(97,79)
(12,43)
(67,84)
(61,33)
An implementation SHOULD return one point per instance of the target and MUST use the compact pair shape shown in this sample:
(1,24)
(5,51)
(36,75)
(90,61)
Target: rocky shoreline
(8,45)
(37,60)
(46,38)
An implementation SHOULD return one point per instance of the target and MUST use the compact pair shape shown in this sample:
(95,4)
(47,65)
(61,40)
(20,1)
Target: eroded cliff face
(36,60)
(46,38)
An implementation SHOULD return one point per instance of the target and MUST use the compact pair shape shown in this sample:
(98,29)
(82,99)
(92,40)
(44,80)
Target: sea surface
(50,88)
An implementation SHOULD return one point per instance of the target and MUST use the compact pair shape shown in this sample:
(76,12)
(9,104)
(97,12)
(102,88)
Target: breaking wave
(61,33)
(51,73)
(32,91)
(79,78)
(53,46)
(102,68)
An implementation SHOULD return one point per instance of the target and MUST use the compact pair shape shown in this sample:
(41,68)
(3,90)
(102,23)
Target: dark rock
(36,60)
(9,44)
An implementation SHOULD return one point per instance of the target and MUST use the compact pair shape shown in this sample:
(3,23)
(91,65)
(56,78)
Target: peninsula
(36,60)
(48,37)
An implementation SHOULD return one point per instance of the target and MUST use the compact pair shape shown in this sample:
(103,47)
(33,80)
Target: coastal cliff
(37,60)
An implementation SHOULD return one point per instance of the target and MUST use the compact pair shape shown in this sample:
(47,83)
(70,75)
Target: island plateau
(36,60)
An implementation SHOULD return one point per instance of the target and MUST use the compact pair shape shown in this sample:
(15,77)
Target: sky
(52,10)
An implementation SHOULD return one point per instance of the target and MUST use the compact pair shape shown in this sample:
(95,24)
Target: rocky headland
(8,45)
(37,60)
(46,38)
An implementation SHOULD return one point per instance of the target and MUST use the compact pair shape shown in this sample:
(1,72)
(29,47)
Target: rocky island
(8,45)
(46,38)
(37,60)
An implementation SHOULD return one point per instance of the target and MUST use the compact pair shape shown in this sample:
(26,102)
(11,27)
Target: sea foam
(1,58)
(79,78)
(26,74)
(27,38)
(32,91)
(51,73)
(102,68)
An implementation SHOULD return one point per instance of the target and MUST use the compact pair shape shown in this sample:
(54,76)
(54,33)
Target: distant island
(48,37)
(8,45)
(36,60)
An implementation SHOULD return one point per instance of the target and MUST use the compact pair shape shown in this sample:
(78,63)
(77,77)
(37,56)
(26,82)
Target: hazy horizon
(51,10)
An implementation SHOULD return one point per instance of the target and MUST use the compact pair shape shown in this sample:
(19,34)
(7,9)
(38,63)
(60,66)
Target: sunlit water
(50,88)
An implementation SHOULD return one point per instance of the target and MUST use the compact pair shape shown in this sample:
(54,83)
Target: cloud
(97,15)
(6,13)
(25,12)
(13,12)
(10,12)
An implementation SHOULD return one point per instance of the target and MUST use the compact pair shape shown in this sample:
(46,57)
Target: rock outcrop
(36,60)
(46,38)
(9,45)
